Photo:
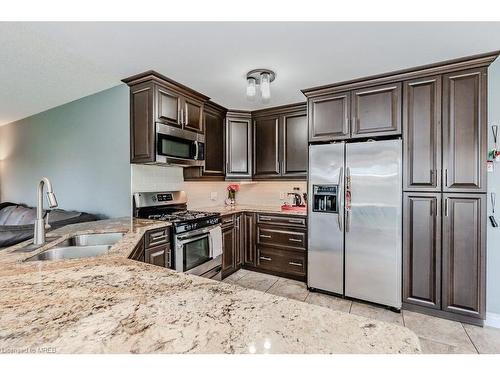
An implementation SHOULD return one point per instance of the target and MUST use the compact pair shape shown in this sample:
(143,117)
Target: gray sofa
(17,221)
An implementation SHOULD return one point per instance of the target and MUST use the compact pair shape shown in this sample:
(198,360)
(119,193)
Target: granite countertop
(226,210)
(111,304)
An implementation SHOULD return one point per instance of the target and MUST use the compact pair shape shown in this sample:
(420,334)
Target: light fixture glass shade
(251,87)
(265,87)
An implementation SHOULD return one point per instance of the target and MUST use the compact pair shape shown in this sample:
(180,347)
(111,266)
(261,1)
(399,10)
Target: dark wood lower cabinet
(231,259)
(444,255)
(422,249)
(464,254)
(248,239)
(157,255)
(154,248)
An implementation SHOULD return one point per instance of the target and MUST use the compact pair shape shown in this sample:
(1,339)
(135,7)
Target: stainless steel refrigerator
(354,220)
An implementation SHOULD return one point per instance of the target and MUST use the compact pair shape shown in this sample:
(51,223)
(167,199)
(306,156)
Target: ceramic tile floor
(437,336)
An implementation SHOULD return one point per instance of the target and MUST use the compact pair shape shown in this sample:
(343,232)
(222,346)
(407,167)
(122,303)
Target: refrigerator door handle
(339,206)
(348,200)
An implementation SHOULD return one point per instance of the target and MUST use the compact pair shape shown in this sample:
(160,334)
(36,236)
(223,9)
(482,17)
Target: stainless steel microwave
(179,147)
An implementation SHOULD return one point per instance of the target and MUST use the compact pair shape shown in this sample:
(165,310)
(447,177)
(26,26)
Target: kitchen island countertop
(111,304)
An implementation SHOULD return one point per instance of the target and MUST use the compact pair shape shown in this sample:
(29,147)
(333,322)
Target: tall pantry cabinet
(444,211)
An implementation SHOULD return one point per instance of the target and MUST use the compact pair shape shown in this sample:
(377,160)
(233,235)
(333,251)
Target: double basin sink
(80,246)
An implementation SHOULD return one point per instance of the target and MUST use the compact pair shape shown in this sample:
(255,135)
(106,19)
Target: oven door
(194,252)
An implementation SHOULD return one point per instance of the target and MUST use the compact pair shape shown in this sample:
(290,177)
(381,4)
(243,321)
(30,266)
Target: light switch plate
(213,196)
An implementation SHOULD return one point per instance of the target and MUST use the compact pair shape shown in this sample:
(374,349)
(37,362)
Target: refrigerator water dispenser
(325,198)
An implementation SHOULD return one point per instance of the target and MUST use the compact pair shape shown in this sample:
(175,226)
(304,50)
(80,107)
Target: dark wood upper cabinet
(142,127)
(168,106)
(422,249)
(376,111)
(193,114)
(464,254)
(294,145)
(238,145)
(266,160)
(155,98)
(422,134)
(280,142)
(213,124)
(328,117)
(464,131)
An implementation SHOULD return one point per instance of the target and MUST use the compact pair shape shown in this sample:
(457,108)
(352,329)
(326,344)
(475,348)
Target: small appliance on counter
(196,235)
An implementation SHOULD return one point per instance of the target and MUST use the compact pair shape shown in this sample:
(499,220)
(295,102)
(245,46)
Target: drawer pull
(264,236)
(265,258)
(155,236)
(297,221)
(294,240)
(295,264)
(265,218)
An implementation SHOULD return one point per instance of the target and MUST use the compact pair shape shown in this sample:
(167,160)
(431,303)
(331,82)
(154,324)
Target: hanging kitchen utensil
(495,153)
(492,217)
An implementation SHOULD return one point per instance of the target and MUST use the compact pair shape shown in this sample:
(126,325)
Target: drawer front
(227,220)
(281,220)
(281,237)
(157,237)
(284,261)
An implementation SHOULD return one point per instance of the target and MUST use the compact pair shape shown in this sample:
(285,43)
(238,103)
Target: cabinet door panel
(214,150)
(294,145)
(376,111)
(228,247)
(142,147)
(422,249)
(169,106)
(238,148)
(156,255)
(464,131)
(248,239)
(422,134)
(329,117)
(464,264)
(266,147)
(193,110)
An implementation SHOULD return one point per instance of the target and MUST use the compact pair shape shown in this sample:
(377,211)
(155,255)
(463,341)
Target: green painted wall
(82,146)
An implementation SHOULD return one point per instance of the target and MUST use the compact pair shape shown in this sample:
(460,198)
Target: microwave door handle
(196,150)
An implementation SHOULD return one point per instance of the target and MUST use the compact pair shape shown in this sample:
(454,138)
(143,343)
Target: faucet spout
(39,234)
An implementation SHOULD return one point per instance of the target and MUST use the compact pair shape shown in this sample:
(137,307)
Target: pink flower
(233,188)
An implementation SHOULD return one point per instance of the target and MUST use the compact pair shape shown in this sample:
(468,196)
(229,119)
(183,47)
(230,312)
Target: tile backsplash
(155,178)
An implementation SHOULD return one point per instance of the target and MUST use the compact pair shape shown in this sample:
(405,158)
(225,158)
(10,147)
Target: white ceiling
(43,65)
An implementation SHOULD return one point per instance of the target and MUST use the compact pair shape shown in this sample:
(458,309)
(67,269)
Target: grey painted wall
(82,146)
(493,248)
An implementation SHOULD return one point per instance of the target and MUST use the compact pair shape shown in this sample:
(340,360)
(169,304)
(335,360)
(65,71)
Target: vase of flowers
(231,194)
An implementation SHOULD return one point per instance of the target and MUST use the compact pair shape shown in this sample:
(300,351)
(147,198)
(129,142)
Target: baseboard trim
(492,320)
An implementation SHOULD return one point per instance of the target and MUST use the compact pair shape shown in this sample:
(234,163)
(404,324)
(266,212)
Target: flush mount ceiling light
(263,78)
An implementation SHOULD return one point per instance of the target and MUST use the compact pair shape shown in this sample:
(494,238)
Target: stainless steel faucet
(40,223)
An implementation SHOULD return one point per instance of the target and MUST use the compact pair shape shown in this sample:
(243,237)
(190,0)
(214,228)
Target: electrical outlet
(282,195)
(213,196)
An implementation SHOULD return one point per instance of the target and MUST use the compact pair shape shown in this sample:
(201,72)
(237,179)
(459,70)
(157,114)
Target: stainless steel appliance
(355,220)
(179,147)
(196,236)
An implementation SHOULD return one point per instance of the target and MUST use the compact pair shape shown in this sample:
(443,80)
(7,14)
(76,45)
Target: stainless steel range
(196,235)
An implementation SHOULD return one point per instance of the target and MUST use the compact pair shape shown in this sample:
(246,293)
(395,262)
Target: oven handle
(185,239)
